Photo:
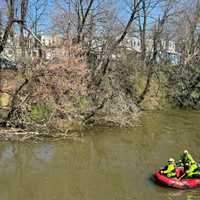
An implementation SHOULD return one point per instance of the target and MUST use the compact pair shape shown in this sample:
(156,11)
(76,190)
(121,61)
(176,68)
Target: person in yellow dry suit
(170,169)
(192,170)
(187,158)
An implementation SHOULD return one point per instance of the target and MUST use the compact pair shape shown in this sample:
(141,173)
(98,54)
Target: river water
(106,164)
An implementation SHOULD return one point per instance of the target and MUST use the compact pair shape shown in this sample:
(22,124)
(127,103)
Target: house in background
(33,49)
(166,49)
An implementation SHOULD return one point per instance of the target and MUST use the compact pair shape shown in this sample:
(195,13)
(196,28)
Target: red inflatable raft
(175,182)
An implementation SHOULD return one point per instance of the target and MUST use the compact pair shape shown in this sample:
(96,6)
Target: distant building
(167,49)
(13,50)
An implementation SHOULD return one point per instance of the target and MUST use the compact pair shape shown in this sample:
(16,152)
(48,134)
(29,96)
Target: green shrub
(41,112)
(81,102)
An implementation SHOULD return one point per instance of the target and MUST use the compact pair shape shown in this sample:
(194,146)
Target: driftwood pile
(13,134)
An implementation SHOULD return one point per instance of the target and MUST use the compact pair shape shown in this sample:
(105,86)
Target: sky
(45,24)
(121,7)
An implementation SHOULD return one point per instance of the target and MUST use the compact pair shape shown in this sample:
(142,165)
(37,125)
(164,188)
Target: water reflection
(44,153)
(189,195)
(110,164)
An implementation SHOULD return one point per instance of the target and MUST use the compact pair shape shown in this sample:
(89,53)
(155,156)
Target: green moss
(3,114)
(82,103)
(78,103)
(41,112)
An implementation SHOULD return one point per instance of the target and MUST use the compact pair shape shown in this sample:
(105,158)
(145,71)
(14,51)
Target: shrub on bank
(41,113)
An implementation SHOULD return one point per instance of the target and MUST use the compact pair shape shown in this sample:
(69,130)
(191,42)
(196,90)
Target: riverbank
(45,113)
(61,129)
(44,102)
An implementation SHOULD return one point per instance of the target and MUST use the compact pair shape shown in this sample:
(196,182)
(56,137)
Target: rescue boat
(177,182)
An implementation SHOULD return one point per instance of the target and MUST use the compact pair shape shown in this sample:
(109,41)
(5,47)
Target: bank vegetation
(93,76)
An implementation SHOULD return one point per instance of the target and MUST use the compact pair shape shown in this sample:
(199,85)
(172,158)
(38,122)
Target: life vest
(170,170)
(188,159)
(194,169)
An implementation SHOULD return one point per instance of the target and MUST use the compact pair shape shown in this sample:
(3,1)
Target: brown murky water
(107,164)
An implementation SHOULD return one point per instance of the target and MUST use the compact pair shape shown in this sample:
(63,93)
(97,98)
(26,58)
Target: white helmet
(185,151)
(171,160)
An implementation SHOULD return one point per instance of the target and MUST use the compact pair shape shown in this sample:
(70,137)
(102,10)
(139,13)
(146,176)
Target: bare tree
(103,65)
(156,36)
(83,17)
(10,9)
(183,81)
(142,23)
(23,14)
(37,14)
(1,21)
(77,14)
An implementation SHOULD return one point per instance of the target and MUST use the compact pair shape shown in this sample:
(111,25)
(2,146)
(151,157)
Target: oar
(181,177)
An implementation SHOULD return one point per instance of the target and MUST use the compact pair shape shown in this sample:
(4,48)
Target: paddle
(181,177)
